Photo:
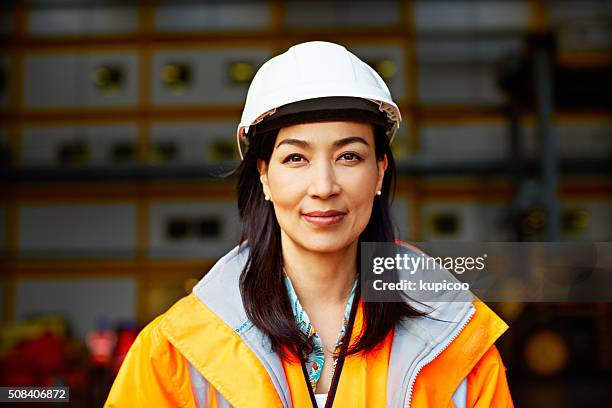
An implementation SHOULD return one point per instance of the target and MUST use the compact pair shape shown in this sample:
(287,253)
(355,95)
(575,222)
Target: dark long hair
(262,287)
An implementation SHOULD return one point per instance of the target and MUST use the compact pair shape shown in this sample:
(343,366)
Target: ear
(262,167)
(382,167)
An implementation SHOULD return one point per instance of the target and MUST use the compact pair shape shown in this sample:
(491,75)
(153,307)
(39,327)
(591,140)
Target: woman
(279,320)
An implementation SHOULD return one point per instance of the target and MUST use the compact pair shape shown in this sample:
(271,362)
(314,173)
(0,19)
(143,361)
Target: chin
(325,245)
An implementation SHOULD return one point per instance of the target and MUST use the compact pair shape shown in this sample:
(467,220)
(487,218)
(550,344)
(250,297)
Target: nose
(323,182)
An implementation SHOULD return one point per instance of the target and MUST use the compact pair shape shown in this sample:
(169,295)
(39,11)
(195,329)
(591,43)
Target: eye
(350,157)
(293,158)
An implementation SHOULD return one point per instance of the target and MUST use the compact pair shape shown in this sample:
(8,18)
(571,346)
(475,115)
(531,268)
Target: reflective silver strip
(460,395)
(201,390)
(222,402)
(416,342)
(199,386)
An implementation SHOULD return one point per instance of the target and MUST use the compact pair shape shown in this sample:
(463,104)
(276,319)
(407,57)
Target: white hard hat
(312,70)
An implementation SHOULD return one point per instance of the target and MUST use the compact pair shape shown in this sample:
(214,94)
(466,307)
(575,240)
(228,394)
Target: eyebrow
(338,143)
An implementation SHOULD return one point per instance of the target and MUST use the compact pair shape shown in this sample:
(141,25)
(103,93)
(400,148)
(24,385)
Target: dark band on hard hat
(324,110)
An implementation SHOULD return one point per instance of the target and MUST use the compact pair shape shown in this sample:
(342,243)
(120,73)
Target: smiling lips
(324,218)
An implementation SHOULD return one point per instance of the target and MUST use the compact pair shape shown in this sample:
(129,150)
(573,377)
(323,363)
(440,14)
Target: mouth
(324,218)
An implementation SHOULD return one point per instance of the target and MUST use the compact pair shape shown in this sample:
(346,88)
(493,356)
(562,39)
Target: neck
(317,277)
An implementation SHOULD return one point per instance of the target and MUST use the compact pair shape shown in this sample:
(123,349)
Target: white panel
(598,226)
(195,141)
(193,246)
(467,50)
(39,145)
(71,18)
(60,81)
(99,230)
(399,210)
(581,24)
(585,140)
(445,15)
(81,301)
(217,16)
(4,87)
(463,143)
(323,13)
(585,36)
(211,82)
(476,221)
(394,53)
(574,140)
(562,11)
(472,84)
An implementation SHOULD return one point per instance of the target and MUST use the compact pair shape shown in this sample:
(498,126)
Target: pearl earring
(378,192)
(267,197)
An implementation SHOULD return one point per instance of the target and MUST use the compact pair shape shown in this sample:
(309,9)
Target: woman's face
(322,180)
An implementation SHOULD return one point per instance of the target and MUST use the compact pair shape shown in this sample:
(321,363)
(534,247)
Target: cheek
(286,188)
(362,206)
(360,190)
(361,183)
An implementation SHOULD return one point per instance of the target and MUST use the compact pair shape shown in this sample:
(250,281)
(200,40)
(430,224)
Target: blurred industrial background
(117,117)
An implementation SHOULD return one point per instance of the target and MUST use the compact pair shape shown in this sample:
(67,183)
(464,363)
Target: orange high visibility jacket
(204,352)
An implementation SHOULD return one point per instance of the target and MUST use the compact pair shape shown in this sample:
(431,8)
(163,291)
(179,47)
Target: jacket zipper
(429,359)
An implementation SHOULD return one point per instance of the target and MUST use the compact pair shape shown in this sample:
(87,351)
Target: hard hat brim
(324,110)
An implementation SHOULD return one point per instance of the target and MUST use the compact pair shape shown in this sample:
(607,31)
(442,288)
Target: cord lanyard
(340,363)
